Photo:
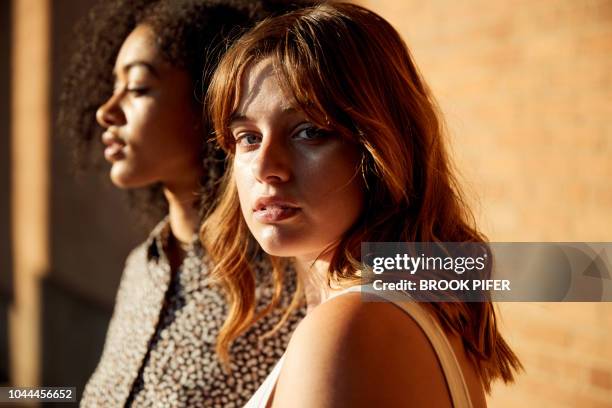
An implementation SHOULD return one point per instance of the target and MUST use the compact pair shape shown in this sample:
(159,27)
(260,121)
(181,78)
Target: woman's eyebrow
(242,117)
(138,63)
(238,117)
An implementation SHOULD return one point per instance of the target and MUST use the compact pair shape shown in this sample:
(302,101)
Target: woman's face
(299,187)
(152,126)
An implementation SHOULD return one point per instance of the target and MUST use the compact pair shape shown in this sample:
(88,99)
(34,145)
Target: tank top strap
(451,369)
(264,392)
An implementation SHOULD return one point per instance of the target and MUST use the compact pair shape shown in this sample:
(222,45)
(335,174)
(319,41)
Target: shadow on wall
(5,210)
(73,329)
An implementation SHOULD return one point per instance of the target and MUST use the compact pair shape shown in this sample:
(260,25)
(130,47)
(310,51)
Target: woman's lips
(274,213)
(114,146)
(270,209)
(114,152)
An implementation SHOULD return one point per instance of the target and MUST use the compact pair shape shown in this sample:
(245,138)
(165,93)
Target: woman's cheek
(239,174)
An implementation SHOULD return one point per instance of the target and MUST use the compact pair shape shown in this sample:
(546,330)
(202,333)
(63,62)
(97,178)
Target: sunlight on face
(151,124)
(299,186)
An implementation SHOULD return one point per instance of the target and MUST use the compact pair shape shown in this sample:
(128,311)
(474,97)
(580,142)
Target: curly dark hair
(191,34)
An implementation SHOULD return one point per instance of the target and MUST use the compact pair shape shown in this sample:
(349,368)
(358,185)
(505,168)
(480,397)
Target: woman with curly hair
(334,140)
(141,68)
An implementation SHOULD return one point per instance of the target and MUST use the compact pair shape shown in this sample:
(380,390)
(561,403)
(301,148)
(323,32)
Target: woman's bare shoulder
(352,353)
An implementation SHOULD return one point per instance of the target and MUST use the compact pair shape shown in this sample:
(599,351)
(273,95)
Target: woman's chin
(276,247)
(274,250)
(122,177)
(287,248)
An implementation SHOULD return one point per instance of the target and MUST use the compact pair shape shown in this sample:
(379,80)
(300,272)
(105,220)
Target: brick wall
(526,89)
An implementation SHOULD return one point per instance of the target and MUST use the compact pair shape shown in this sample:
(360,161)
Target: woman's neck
(183,212)
(313,278)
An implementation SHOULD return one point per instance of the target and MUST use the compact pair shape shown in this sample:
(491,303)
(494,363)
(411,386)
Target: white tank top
(451,369)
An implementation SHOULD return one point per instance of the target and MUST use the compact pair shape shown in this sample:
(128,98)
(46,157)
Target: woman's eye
(310,133)
(247,139)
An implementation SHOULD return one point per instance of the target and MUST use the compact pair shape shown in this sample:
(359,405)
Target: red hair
(350,72)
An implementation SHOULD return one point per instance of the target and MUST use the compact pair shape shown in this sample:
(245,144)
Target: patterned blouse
(160,345)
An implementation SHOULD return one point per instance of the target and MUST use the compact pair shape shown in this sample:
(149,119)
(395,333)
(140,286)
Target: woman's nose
(272,163)
(110,113)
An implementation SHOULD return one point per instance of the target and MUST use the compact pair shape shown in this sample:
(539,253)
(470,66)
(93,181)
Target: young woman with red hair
(334,139)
